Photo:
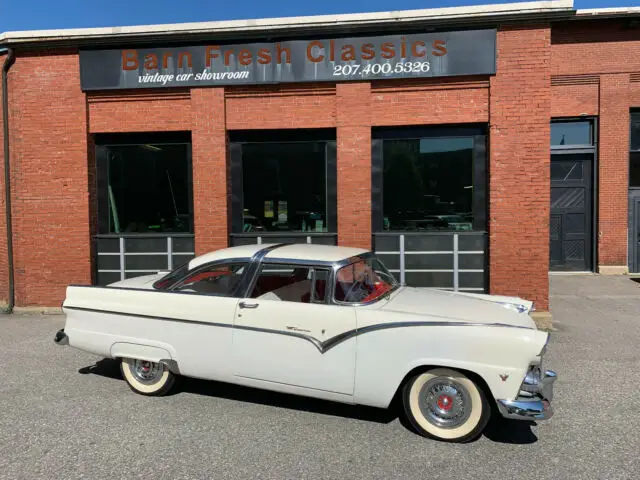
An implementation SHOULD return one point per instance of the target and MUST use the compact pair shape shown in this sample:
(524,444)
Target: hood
(455,306)
(144,281)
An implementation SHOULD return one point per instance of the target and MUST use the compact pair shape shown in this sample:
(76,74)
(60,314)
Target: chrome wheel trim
(146,372)
(444,402)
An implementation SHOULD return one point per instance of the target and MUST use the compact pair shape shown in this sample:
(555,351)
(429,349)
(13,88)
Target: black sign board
(469,52)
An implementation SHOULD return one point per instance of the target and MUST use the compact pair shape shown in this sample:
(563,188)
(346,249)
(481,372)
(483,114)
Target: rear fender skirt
(144,352)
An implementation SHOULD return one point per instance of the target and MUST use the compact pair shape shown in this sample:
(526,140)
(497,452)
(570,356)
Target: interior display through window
(144,188)
(283,182)
(428,184)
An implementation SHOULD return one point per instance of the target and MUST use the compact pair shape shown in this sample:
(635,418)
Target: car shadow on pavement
(503,430)
(110,368)
(107,367)
(499,430)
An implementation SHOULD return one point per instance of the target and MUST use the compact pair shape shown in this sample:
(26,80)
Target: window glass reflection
(284,187)
(148,189)
(428,184)
(571,133)
(635,131)
(634,169)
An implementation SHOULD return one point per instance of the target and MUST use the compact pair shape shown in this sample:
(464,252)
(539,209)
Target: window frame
(592,149)
(353,261)
(313,268)
(101,144)
(634,117)
(237,139)
(479,134)
(567,120)
(212,266)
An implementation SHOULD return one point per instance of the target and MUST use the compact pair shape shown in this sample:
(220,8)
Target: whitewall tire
(147,378)
(446,405)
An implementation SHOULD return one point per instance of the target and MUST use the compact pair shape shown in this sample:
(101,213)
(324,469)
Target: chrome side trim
(151,317)
(322,346)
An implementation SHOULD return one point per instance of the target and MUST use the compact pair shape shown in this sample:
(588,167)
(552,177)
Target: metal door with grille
(571,212)
(634,231)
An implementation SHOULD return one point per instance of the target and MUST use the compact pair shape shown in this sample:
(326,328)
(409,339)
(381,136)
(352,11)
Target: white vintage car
(320,321)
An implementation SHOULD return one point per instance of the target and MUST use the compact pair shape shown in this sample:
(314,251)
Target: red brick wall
(49,178)
(594,47)
(614,166)
(4,272)
(139,112)
(210,163)
(575,99)
(354,164)
(608,52)
(520,105)
(429,102)
(275,107)
(52,176)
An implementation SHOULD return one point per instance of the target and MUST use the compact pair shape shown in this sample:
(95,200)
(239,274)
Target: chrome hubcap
(147,372)
(444,403)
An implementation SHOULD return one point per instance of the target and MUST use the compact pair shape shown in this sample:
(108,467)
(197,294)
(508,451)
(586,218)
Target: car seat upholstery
(293,292)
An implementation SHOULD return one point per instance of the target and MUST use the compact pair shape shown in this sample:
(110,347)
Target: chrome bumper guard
(61,338)
(534,400)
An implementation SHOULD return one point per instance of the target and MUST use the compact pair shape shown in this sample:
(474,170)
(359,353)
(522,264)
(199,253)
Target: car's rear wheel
(446,405)
(147,378)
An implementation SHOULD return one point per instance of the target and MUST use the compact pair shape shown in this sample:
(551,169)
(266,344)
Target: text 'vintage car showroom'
(472,148)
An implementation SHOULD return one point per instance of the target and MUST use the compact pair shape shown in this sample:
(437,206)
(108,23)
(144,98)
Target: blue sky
(45,14)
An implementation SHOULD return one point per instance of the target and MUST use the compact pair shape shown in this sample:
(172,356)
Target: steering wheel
(355,286)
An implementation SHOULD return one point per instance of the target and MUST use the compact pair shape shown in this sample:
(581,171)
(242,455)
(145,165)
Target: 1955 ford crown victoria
(320,321)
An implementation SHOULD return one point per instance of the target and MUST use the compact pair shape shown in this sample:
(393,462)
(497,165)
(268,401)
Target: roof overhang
(407,20)
(600,13)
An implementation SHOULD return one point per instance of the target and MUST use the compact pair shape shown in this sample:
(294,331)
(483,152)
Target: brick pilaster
(210,160)
(519,166)
(354,164)
(613,172)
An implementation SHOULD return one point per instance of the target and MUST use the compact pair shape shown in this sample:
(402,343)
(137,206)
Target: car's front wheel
(147,378)
(445,404)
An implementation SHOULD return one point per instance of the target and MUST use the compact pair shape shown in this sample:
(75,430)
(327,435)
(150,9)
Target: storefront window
(635,132)
(144,188)
(634,156)
(284,187)
(428,184)
(571,133)
(634,169)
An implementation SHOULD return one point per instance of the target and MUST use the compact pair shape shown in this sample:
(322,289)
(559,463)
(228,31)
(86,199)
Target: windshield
(363,281)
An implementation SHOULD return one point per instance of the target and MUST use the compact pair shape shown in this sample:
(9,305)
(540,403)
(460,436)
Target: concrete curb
(40,310)
(543,320)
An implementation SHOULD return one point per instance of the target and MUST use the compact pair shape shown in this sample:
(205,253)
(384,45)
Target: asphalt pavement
(66,415)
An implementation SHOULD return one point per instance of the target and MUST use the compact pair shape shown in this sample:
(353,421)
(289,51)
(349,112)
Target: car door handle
(296,329)
(248,305)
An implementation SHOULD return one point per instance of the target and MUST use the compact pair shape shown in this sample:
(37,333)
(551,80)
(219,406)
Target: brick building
(474,148)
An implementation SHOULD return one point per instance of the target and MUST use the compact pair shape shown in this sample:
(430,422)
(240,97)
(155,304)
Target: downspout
(7,186)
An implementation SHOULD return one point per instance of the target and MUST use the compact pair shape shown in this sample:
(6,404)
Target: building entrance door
(570,231)
(634,231)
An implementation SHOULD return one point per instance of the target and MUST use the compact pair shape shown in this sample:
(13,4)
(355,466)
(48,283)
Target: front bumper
(61,338)
(534,403)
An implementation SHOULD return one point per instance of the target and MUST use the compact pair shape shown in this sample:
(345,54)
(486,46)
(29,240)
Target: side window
(216,280)
(291,283)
